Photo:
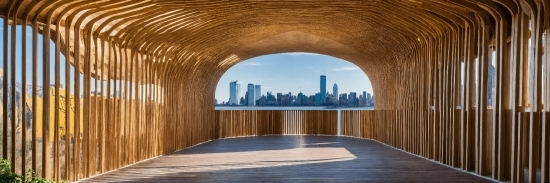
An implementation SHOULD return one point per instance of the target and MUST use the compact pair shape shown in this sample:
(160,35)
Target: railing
(235,123)
(454,137)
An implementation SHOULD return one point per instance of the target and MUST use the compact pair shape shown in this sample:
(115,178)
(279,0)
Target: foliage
(6,176)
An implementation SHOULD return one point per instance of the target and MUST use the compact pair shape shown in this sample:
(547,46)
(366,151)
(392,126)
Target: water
(289,108)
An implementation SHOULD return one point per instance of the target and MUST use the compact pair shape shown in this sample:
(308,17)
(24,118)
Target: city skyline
(293,72)
(253,97)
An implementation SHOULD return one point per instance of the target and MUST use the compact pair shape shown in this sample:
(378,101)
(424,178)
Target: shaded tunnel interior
(92,86)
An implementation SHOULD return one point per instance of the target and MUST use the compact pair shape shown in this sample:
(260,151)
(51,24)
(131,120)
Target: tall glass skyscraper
(234,89)
(335,94)
(257,92)
(323,91)
(251,100)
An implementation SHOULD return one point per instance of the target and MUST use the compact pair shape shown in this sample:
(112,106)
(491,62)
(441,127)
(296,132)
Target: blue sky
(288,72)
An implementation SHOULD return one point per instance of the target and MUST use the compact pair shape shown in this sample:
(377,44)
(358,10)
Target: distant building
(279,99)
(323,89)
(344,99)
(289,99)
(372,100)
(369,100)
(271,100)
(352,99)
(262,101)
(335,94)
(299,100)
(318,100)
(242,101)
(234,92)
(363,99)
(250,95)
(245,98)
(257,92)
(311,100)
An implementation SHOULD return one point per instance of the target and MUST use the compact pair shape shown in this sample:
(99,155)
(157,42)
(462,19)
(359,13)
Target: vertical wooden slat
(5,89)
(46,103)
(535,78)
(7,64)
(24,96)
(125,130)
(57,118)
(68,109)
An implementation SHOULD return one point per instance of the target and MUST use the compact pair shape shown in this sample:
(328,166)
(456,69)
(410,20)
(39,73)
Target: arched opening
(163,59)
(380,70)
(294,79)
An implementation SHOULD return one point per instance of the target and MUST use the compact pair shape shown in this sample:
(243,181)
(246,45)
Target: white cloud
(253,64)
(345,69)
(299,53)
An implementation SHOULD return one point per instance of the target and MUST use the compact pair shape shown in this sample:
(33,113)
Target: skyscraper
(335,94)
(364,99)
(245,98)
(251,94)
(279,99)
(352,99)
(234,89)
(344,99)
(323,91)
(257,92)
(318,99)
(299,100)
(369,100)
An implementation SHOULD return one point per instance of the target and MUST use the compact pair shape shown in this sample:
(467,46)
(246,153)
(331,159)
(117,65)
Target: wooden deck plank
(288,159)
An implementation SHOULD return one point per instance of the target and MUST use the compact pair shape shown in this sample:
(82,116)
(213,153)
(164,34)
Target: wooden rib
(12,70)
(413,62)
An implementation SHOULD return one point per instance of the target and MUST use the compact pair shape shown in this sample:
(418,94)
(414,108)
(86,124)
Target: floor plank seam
(459,169)
(142,161)
(309,139)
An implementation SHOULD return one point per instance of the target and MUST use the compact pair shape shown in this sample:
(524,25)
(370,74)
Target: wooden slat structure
(238,123)
(91,86)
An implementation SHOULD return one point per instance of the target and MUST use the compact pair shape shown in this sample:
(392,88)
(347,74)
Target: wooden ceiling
(202,39)
(376,35)
(429,62)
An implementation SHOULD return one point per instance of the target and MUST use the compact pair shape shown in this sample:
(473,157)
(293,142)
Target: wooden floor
(288,159)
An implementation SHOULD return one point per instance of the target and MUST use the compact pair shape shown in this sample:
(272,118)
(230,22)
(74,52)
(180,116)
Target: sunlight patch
(207,162)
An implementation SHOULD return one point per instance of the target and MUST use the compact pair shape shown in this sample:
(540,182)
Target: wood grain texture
(288,159)
(140,78)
